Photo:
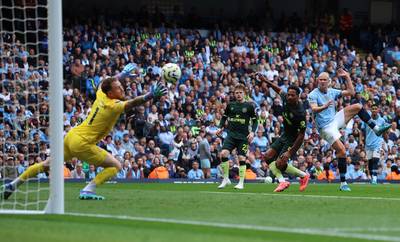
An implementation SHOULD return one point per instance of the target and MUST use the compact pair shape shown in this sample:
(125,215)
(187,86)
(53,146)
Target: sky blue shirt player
(323,105)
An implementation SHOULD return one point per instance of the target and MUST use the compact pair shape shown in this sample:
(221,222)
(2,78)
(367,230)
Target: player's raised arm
(275,87)
(128,71)
(349,84)
(154,94)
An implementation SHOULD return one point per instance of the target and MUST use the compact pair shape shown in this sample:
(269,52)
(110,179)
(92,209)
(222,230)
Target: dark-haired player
(294,121)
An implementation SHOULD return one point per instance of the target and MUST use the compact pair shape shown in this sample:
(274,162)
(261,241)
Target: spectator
(78,172)
(195,172)
(394,174)
(205,155)
(9,170)
(356,173)
(327,174)
(91,173)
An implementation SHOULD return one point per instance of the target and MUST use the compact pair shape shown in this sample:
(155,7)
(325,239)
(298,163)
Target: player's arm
(275,87)
(298,142)
(316,109)
(126,72)
(155,94)
(349,84)
(223,121)
(254,125)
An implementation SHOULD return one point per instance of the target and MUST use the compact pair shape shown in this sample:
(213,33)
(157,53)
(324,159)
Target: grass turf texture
(254,214)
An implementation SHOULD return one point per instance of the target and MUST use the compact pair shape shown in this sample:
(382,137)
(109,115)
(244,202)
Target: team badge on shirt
(244,110)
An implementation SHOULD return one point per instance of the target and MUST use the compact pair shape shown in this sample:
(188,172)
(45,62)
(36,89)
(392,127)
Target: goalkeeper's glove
(159,91)
(128,71)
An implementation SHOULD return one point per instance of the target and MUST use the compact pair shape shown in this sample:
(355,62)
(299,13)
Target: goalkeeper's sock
(294,171)
(277,173)
(104,175)
(242,173)
(32,171)
(91,187)
(225,167)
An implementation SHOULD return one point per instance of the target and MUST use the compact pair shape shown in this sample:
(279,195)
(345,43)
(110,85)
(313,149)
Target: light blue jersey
(372,141)
(326,116)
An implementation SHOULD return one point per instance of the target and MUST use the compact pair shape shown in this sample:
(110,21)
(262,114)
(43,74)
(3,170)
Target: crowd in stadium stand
(164,139)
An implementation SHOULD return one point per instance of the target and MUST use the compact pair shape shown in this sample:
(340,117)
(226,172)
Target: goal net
(31,103)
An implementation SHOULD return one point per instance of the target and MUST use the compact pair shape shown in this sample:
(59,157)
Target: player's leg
(341,155)
(332,135)
(111,167)
(32,171)
(224,166)
(283,165)
(205,166)
(242,149)
(357,109)
(373,161)
(271,155)
(227,147)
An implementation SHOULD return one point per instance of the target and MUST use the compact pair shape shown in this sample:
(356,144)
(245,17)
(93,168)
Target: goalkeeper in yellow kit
(81,141)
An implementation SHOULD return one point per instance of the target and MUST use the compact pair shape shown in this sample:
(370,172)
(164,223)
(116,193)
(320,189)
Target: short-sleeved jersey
(102,118)
(239,116)
(373,141)
(326,116)
(294,117)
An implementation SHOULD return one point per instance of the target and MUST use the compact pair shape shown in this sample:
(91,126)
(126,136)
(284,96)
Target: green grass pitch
(199,212)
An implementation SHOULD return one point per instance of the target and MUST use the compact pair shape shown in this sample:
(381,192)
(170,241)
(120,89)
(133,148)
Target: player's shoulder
(251,105)
(313,93)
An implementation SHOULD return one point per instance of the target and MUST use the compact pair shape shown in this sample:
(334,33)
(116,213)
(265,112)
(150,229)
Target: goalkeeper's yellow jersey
(102,118)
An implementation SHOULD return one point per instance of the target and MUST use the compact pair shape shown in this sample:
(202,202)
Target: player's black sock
(224,159)
(373,166)
(342,169)
(364,115)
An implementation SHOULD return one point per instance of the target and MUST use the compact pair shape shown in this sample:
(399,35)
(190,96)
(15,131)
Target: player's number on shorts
(245,148)
(94,115)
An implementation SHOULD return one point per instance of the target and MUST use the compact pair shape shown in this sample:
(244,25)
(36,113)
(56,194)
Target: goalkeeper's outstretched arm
(155,94)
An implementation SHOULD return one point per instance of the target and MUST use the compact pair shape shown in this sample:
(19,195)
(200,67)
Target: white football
(171,72)
(268,179)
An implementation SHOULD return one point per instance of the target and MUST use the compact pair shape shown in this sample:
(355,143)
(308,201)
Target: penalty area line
(308,231)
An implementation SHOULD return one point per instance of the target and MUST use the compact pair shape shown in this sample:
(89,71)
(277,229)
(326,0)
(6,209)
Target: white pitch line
(368,229)
(308,231)
(303,196)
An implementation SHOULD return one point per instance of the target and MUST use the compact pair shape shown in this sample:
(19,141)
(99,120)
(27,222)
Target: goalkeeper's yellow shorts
(76,146)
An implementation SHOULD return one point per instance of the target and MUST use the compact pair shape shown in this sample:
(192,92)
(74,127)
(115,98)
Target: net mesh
(24,107)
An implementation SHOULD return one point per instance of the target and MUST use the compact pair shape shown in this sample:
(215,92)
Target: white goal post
(56,200)
(22,24)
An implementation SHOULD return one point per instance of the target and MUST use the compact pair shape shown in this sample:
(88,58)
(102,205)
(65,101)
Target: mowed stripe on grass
(308,231)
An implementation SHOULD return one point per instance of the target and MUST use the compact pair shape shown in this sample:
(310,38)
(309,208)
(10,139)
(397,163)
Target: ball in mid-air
(171,72)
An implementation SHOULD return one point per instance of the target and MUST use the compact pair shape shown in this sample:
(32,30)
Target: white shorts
(331,132)
(373,154)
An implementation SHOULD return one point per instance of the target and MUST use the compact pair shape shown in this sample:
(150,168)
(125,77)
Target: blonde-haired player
(81,141)
(323,104)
